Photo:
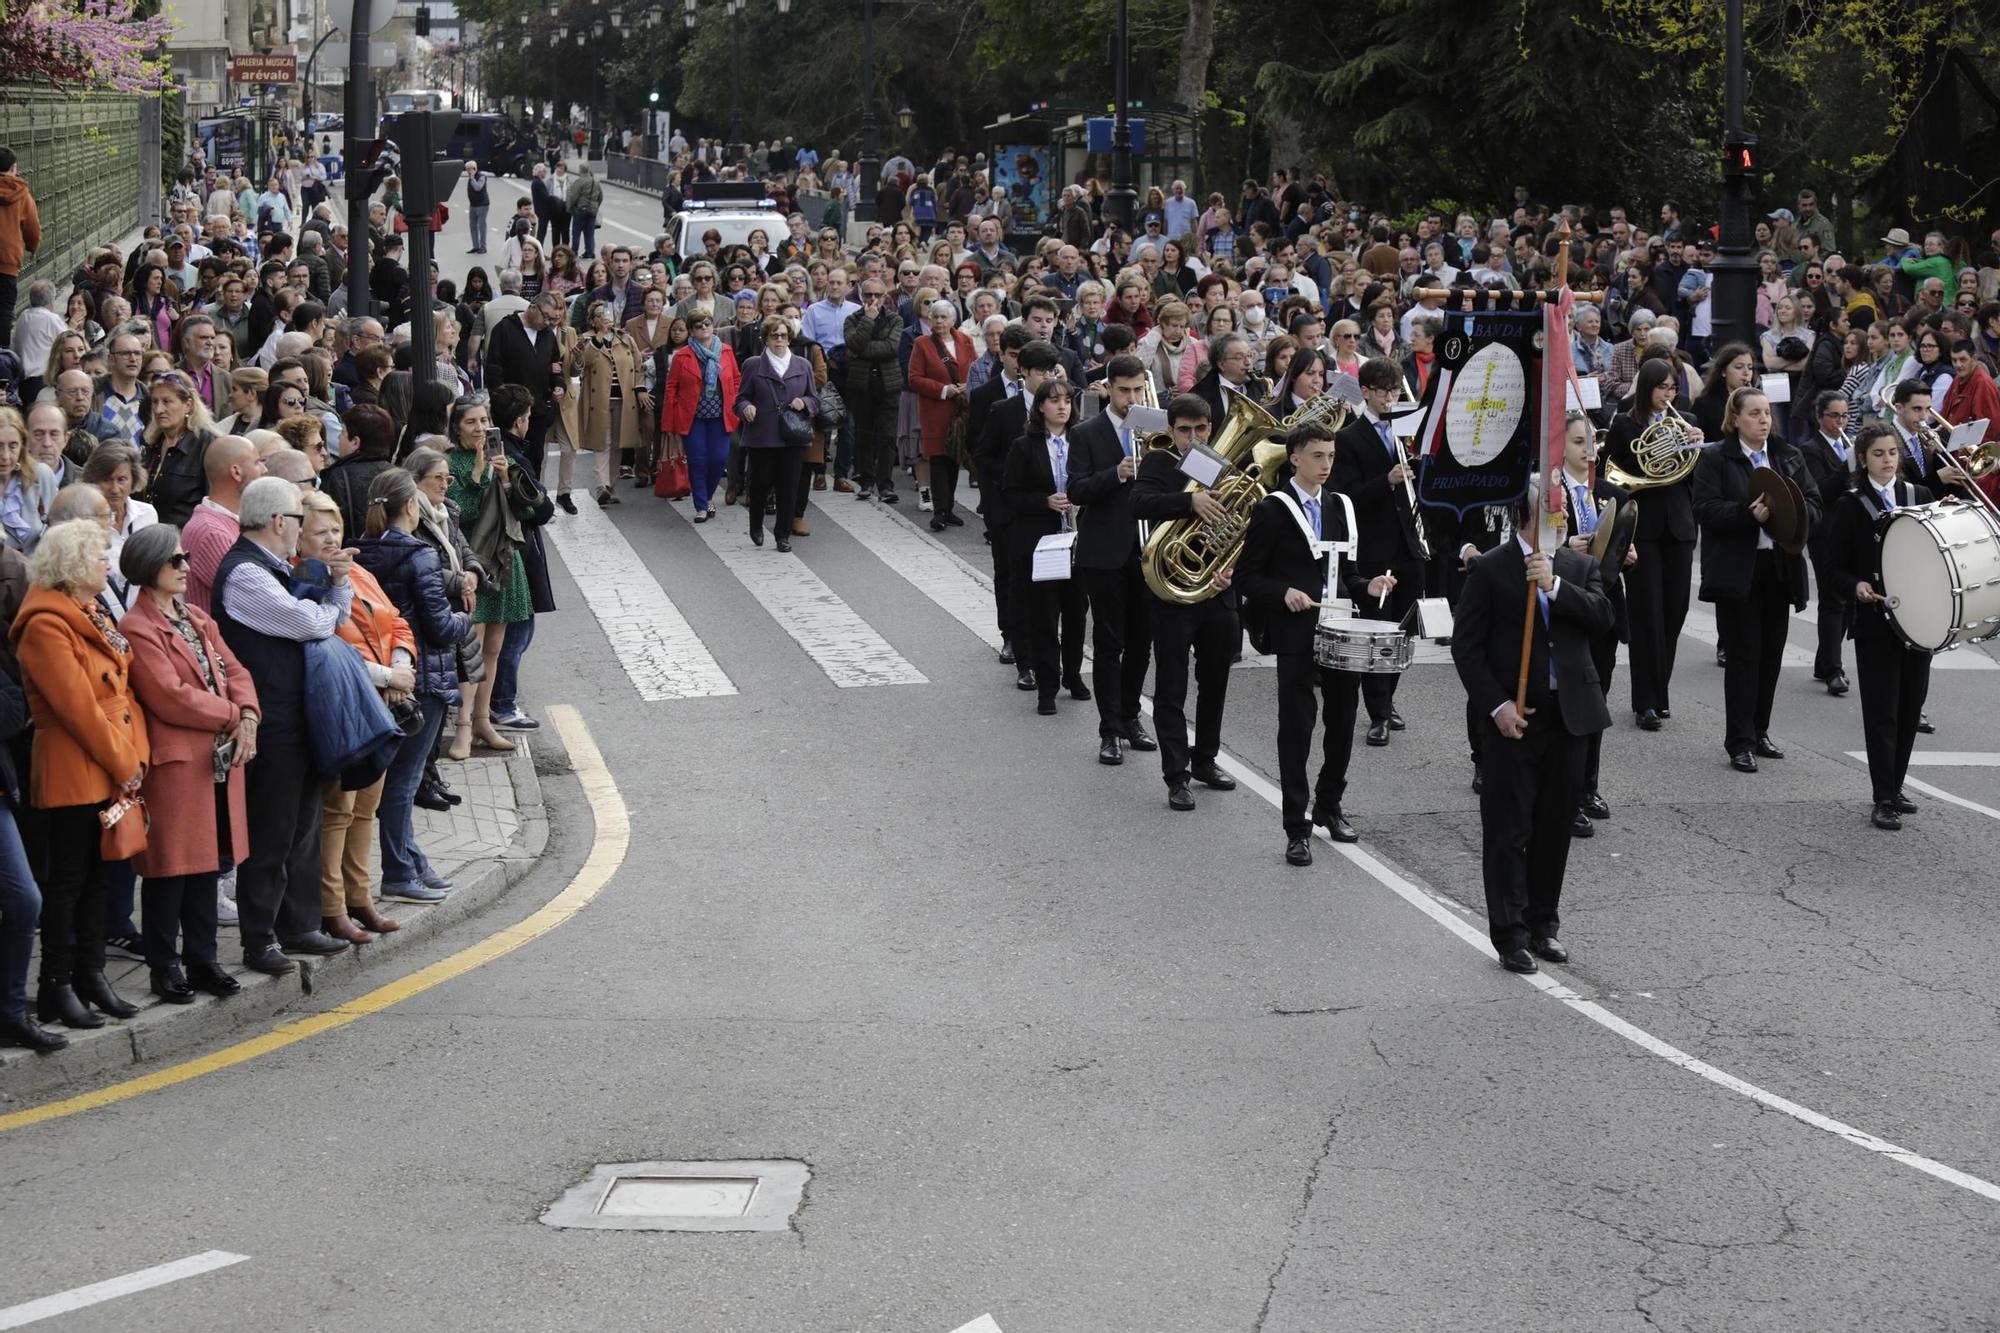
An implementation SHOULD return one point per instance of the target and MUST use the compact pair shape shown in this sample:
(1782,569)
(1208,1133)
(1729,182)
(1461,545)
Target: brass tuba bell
(1181,558)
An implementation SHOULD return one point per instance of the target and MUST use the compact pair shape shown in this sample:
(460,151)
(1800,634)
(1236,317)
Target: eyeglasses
(704,277)
(179,559)
(296,517)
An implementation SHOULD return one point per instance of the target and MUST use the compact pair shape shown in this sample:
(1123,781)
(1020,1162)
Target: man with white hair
(277,887)
(35,332)
(477,201)
(1182,212)
(508,302)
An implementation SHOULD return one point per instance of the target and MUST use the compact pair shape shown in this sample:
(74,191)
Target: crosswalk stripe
(659,650)
(843,645)
(926,564)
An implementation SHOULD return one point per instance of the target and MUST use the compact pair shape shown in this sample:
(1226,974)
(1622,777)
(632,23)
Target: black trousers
(1752,631)
(1209,630)
(537,440)
(1378,689)
(72,895)
(1003,586)
(1656,600)
(1894,681)
(277,887)
(1049,617)
(1604,655)
(1121,642)
(944,484)
(10,292)
(1300,683)
(874,418)
(774,470)
(1525,809)
(1836,609)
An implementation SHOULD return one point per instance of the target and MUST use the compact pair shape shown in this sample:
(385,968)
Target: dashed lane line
(111,1289)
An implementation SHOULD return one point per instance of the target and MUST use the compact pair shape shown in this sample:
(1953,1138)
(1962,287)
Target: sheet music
(1055,557)
(1204,465)
(1586,395)
(1778,387)
(1968,435)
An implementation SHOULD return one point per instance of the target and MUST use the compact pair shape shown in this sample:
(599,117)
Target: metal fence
(640,173)
(80,157)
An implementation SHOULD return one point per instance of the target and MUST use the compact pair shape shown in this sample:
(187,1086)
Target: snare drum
(1941,574)
(1371,647)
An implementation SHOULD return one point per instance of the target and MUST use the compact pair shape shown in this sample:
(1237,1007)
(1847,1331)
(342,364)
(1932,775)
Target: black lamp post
(867,167)
(1734,296)
(1121,199)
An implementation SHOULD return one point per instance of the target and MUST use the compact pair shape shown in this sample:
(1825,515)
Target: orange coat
(90,737)
(930,372)
(183,718)
(374,625)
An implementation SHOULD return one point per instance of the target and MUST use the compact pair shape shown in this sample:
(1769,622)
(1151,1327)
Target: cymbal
(1787,503)
(1616,527)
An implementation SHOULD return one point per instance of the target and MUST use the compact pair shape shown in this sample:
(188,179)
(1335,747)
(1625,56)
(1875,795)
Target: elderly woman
(444,329)
(479,482)
(606,363)
(774,381)
(700,406)
(89,750)
(408,569)
(940,360)
(114,470)
(27,488)
(177,437)
(201,725)
(307,434)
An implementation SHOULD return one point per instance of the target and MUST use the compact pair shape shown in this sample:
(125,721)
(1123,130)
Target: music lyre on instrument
(1976,463)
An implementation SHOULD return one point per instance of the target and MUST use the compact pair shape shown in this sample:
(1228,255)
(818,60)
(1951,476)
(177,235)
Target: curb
(162,1031)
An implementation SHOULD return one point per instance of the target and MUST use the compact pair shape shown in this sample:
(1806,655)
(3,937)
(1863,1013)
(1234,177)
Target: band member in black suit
(1533,760)
(1829,462)
(1895,677)
(1050,614)
(1754,585)
(1370,470)
(1208,628)
(1580,497)
(1230,371)
(1283,581)
(1923,465)
(1657,588)
(997,415)
(1103,460)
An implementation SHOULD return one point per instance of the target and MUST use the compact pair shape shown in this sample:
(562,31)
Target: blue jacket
(410,572)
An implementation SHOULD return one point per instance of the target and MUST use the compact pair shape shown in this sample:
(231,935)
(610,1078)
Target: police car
(732,209)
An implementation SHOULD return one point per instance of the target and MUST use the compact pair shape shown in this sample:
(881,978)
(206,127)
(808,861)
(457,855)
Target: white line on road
(77,1298)
(1943,795)
(844,645)
(983,1324)
(602,221)
(659,650)
(1943,758)
(925,563)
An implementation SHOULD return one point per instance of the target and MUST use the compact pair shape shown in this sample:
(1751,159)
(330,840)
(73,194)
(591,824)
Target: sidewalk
(485,845)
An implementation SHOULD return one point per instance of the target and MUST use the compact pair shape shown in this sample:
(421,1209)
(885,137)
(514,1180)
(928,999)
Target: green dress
(496,605)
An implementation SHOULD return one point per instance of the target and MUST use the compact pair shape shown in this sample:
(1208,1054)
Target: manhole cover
(683,1196)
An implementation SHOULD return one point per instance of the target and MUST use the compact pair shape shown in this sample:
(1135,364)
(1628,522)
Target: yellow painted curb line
(607,853)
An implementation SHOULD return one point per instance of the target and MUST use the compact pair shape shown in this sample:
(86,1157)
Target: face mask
(1254,318)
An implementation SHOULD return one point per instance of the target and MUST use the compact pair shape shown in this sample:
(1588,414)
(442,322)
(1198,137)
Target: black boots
(58,1004)
(95,988)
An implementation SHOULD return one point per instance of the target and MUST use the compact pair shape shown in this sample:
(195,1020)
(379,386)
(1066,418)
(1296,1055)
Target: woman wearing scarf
(438,528)
(607,362)
(702,388)
(774,381)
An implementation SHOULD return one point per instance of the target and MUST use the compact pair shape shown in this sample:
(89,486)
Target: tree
(83,45)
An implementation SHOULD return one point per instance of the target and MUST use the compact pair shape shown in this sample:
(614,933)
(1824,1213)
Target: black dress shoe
(1006,652)
(784,546)
(1551,949)
(170,985)
(1649,720)
(1837,685)
(23,1031)
(210,979)
(563,502)
(1901,804)
(1518,960)
(1580,825)
(1208,775)
(1108,751)
(94,988)
(1077,689)
(268,959)
(1885,817)
(59,1004)
(757,534)
(1137,737)
(1395,720)
(1378,733)
(1744,762)
(1666,714)
(1179,797)
(429,797)
(1721,657)
(1925,725)
(1478,779)
(937,525)
(1024,680)
(316,942)
(1594,806)
(1763,749)
(1299,852)
(1047,708)
(1337,827)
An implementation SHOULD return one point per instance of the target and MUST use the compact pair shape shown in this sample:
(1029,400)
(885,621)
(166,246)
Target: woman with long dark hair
(1035,483)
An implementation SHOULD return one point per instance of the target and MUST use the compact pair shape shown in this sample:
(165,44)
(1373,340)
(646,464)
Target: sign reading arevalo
(264,69)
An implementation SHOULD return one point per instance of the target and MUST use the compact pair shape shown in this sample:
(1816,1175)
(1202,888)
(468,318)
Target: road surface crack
(1298,1222)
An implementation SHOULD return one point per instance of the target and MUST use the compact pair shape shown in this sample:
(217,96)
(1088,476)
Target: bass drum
(1941,574)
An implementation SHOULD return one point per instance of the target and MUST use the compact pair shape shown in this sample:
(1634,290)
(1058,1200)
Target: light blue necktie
(1312,516)
(1586,513)
(1757,459)
(1888,500)
(1062,462)
(1124,438)
(1840,449)
(1382,429)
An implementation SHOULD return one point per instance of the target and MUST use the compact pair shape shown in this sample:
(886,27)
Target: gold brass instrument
(1181,558)
(1663,454)
(1975,463)
(1407,445)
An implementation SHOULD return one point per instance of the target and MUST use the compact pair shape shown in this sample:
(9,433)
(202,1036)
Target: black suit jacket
(1361,472)
(1208,387)
(1486,636)
(1614,582)
(1006,421)
(1666,513)
(1854,543)
(1832,477)
(1277,558)
(1721,485)
(517,355)
(1110,535)
(1027,483)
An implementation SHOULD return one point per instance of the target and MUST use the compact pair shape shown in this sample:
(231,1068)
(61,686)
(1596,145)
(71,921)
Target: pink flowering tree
(86,45)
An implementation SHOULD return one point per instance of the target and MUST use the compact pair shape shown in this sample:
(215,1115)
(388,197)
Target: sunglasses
(179,559)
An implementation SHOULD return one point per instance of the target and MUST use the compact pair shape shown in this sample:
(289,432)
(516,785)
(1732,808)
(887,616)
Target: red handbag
(672,482)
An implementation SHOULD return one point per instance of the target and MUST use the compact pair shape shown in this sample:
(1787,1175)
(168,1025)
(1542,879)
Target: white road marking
(78,1298)
(1701,625)
(523,191)
(1941,758)
(1467,927)
(983,1324)
(1943,795)
(925,563)
(659,650)
(844,645)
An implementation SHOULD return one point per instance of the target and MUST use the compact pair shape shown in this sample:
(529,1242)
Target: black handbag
(832,408)
(795,428)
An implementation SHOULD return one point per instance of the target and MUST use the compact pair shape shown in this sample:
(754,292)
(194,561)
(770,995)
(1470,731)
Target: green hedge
(80,155)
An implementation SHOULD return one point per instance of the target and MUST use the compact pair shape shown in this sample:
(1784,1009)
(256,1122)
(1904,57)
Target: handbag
(126,823)
(795,428)
(673,482)
(832,408)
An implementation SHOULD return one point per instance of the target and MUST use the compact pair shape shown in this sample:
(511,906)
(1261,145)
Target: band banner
(1482,425)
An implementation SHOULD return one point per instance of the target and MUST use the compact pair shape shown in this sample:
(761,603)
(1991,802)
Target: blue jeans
(20,910)
(121,884)
(583,235)
(707,447)
(507,671)
(479,226)
(402,860)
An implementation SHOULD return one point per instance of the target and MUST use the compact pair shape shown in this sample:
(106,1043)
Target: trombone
(1976,463)
(1405,448)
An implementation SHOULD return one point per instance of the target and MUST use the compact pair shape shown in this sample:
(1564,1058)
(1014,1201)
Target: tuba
(1662,453)
(1181,558)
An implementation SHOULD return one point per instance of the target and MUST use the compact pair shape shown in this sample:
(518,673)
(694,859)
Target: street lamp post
(1120,199)
(1734,296)
(736,83)
(867,167)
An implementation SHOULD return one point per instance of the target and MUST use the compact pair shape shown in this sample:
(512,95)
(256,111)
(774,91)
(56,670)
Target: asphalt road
(1058,1055)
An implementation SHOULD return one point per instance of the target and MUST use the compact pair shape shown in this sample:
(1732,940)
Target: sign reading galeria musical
(264,69)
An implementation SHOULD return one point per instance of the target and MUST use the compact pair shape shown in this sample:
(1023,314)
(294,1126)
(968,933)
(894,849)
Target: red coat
(929,374)
(1972,397)
(90,734)
(684,389)
(183,717)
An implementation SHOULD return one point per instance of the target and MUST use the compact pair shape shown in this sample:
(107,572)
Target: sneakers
(567,505)
(433,881)
(923,499)
(863,493)
(516,720)
(225,909)
(129,947)
(411,893)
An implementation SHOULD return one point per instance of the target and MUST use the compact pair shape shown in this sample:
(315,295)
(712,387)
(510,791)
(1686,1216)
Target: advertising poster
(1021,172)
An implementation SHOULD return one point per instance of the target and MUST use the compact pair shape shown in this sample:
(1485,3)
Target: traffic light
(423,23)
(653,96)
(420,134)
(365,169)
(1741,160)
